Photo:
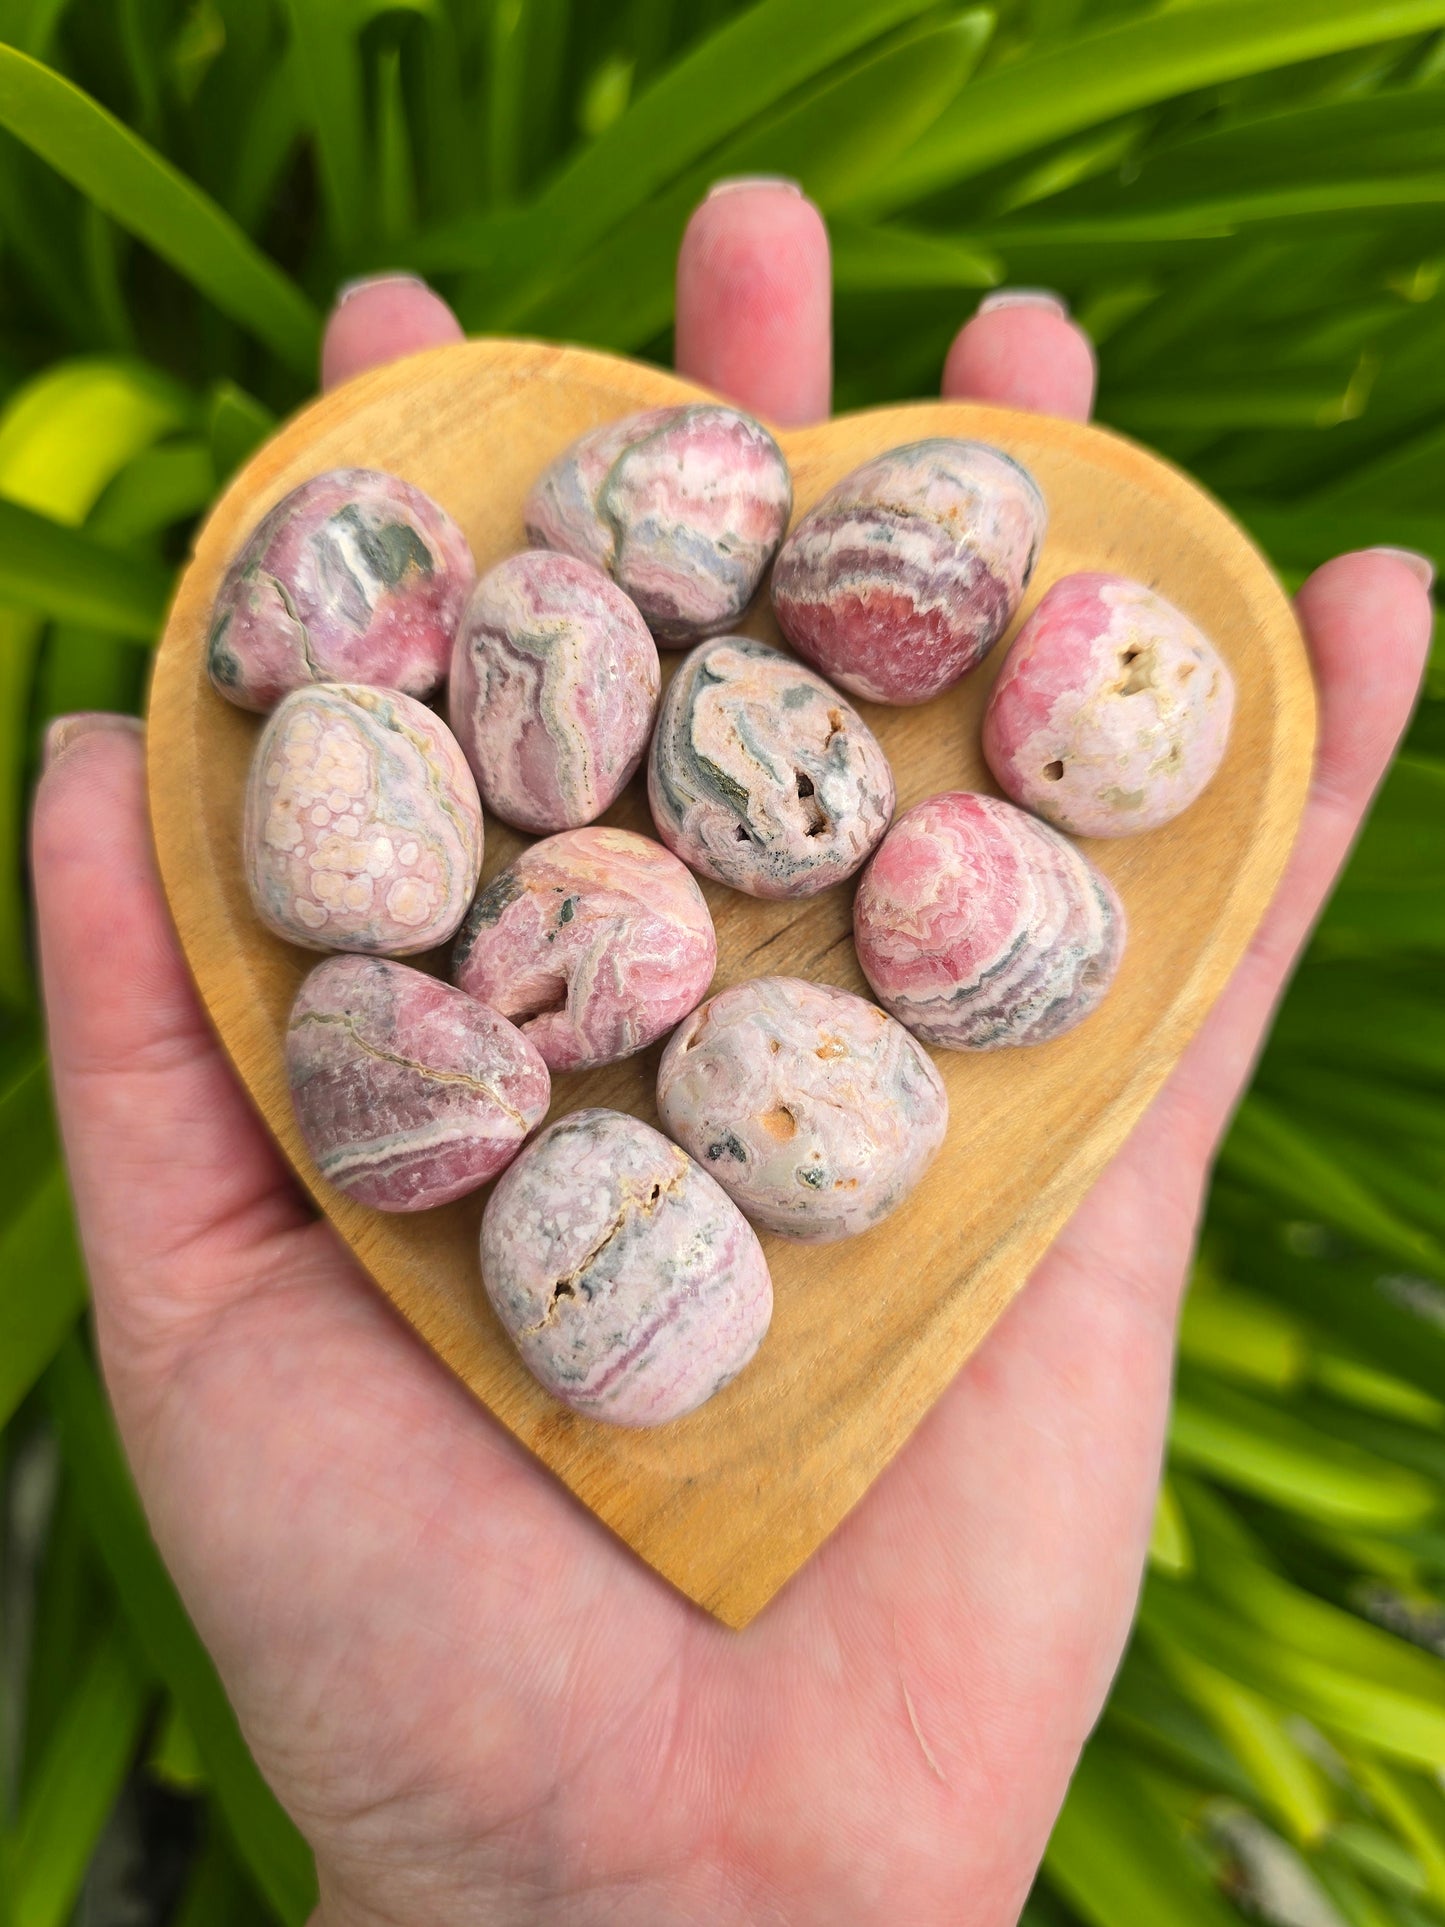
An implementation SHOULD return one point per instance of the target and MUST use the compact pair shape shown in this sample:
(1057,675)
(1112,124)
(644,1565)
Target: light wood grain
(866,1334)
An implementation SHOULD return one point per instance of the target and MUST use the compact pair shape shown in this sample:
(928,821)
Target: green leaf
(42,1288)
(1170,1549)
(1056,91)
(326,70)
(873,259)
(238,425)
(54,571)
(78,1780)
(147,196)
(1114,1855)
(274,1852)
(1415,1809)
(1240,1334)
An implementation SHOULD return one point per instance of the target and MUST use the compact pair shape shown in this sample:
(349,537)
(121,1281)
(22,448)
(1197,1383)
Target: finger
(1022,350)
(755,300)
(381,319)
(165,1153)
(1367,619)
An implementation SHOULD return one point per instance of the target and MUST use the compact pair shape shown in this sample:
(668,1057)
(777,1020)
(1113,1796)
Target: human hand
(474,1701)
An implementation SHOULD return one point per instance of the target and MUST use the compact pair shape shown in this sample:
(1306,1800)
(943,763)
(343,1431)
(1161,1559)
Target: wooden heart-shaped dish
(866,1334)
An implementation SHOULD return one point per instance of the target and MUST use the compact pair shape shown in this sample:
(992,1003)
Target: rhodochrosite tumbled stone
(815,1112)
(978,926)
(762,776)
(595,942)
(630,1283)
(363,830)
(408,1093)
(553,690)
(355,577)
(909,570)
(683,507)
(1111,711)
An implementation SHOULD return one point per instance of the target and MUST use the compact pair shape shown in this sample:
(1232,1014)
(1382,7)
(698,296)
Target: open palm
(478,1705)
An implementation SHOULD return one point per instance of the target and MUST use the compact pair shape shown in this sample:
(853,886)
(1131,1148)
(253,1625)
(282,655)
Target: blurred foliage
(1242,199)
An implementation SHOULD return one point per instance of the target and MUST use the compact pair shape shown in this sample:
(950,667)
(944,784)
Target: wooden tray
(867,1333)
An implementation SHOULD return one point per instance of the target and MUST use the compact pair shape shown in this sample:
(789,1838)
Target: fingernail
(1420,566)
(395,277)
(1044,298)
(731,183)
(65,731)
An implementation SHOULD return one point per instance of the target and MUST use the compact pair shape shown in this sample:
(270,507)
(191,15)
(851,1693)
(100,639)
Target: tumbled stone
(1112,710)
(408,1093)
(356,576)
(553,690)
(595,942)
(682,506)
(815,1112)
(762,776)
(363,830)
(978,926)
(629,1282)
(909,570)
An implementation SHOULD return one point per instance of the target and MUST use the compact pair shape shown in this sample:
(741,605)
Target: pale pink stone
(595,942)
(630,1283)
(363,830)
(979,926)
(815,1112)
(553,690)
(356,576)
(408,1093)
(1111,712)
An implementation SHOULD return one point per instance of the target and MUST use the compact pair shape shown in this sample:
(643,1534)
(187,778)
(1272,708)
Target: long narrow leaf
(59,572)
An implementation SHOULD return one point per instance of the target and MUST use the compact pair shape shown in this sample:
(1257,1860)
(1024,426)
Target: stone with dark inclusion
(628,1280)
(356,576)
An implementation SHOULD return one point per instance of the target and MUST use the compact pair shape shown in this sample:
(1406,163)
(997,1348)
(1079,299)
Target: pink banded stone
(356,576)
(909,570)
(978,926)
(1111,712)
(363,830)
(553,691)
(682,506)
(629,1282)
(408,1093)
(815,1112)
(762,776)
(596,942)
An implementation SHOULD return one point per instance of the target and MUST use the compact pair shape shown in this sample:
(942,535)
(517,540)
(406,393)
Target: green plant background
(1243,201)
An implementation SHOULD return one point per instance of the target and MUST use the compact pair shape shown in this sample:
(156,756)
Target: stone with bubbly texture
(1112,710)
(363,830)
(762,776)
(682,506)
(408,1093)
(909,570)
(595,942)
(979,926)
(629,1281)
(356,576)
(815,1112)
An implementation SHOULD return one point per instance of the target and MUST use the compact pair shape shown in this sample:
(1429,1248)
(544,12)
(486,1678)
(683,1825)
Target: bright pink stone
(356,576)
(629,1281)
(908,571)
(1111,712)
(553,692)
(408,1093)
(682,506)
(979,926)
(595,943)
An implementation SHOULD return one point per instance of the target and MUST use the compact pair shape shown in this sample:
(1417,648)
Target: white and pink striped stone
(553,690)
(909,570)
(682,506)
(815,1112)
(1112,710)
(630,1283)
(595,942)
(979,926)
(363,830)
(356,576)
(408,1093)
